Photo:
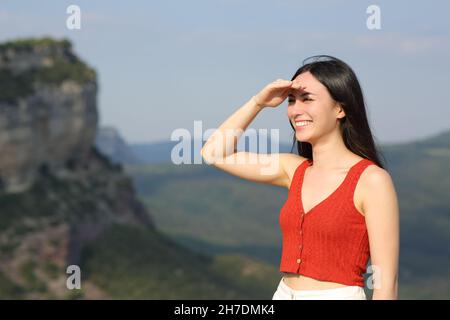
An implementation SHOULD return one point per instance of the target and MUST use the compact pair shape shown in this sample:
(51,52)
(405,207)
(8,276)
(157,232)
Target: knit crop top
(329,242)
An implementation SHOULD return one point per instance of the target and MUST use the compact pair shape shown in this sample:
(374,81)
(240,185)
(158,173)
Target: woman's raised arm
(220,149)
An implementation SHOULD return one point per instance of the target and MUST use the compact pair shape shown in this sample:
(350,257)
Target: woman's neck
(331,153)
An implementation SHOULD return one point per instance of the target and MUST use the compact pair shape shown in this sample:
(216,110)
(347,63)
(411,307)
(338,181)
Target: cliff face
(48,114)
(58,192)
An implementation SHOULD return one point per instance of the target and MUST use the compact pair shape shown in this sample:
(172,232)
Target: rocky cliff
(58,192)
(48,114)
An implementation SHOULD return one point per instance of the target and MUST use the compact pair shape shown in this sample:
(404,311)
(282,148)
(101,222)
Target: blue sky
(164,64)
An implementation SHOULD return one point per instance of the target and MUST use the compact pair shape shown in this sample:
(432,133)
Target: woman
(342,206)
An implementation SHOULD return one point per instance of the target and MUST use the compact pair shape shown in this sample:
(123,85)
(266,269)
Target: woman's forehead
(306,79)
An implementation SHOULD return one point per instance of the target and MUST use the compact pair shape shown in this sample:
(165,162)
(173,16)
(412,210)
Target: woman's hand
(275,93)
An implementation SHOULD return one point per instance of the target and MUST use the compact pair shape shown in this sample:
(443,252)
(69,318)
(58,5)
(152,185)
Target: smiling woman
(342,207)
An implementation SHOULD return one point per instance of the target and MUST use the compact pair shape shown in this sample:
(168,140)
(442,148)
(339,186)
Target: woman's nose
(297,107)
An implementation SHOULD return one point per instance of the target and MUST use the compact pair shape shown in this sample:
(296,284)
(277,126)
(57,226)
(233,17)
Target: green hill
(130,263)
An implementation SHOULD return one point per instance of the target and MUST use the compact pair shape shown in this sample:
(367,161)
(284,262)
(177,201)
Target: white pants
(284,292)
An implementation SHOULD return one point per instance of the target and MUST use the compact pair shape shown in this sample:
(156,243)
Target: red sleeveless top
(330,241)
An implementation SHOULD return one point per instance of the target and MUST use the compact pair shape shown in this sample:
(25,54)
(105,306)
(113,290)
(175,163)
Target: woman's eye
(292,100)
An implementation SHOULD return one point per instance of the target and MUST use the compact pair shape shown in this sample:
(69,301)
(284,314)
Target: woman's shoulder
(291,162)
(375,175)
(377,190)
(375,178)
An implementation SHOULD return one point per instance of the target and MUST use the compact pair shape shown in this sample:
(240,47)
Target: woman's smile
(301,125)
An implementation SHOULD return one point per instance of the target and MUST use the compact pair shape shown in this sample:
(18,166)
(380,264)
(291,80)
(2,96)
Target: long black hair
(343,86)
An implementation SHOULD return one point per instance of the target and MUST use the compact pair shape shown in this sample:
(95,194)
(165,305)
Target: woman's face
(310,100)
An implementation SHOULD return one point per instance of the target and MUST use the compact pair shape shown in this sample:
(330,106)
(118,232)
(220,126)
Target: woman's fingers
(282,83)
(296,84)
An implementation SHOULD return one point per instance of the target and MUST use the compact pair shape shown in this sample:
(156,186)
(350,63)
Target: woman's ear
(340,111)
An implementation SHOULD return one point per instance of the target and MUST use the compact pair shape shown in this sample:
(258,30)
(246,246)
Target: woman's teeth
(303,123)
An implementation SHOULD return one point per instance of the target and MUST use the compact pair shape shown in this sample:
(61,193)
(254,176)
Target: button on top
(299,260)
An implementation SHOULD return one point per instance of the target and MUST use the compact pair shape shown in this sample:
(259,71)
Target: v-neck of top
(300,198)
